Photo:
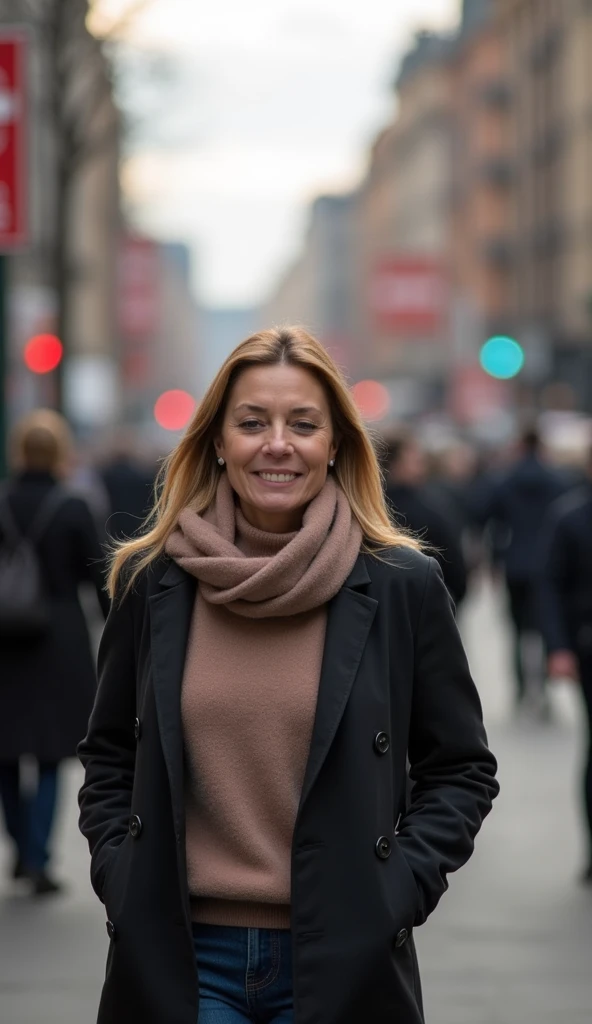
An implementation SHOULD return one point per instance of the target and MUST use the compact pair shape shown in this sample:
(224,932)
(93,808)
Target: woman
(47,675)
(275,651)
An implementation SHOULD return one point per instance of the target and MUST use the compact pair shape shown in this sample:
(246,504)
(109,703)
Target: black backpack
(24,604)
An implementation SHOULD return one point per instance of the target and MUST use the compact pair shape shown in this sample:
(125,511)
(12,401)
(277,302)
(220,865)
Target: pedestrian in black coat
(365,864)
(423,513)
(129,486)
(565,605)
(47,685)
(515,505)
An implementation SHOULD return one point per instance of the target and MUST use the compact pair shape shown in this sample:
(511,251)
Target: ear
(334,446)
(218,445)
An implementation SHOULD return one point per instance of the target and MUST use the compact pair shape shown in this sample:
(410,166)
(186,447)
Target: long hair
(189,475)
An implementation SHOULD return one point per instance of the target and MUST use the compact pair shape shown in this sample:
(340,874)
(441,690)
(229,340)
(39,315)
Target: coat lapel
(170,621)
(350,616)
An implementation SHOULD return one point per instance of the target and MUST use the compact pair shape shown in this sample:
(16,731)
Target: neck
(272,522)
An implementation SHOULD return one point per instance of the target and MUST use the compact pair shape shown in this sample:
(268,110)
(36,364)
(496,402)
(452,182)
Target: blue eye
(305,425)
(250,424)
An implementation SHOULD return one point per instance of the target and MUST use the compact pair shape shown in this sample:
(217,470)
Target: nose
(277,443)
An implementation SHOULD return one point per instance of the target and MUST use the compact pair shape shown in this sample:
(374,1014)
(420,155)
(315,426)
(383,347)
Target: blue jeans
(29,816)
(245,974)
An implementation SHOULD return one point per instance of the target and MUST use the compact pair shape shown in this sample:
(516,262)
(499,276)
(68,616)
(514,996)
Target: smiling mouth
(278,478)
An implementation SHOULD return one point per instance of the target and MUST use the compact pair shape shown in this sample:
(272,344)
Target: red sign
(139,300)
(408,295)
(14,178)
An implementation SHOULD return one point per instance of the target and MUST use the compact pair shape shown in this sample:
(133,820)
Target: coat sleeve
(108,750)
(451,767)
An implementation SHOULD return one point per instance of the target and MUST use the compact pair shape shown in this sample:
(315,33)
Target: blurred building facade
(220,330)
(64,280)
(474,217)
(404,226)
(549,46)
(158,325)
(317,290)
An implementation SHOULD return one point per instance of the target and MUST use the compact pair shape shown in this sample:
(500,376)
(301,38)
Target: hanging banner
(14,176)
(409,295)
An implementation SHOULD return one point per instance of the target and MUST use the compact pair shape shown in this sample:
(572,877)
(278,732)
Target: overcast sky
(280,100)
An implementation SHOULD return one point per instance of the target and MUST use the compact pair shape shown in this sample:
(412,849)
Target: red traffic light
(174,409)
(43,353)
(372,399)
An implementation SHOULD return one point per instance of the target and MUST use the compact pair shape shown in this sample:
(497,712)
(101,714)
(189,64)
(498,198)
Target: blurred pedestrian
(47,676)
(422,513)
(129,483)
(452,483)
(566,612)
(515,505)
(283,649)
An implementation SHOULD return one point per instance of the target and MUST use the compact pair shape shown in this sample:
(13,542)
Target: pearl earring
(331,463)
(221,461)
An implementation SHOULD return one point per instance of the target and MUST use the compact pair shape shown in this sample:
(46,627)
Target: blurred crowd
(519,514)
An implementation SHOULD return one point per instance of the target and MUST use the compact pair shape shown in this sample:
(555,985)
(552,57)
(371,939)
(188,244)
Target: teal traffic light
(502,357)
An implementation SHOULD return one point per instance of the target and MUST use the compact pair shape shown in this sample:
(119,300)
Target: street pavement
(511,942)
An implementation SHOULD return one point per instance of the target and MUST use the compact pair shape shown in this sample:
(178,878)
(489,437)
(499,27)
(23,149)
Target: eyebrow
(300,410)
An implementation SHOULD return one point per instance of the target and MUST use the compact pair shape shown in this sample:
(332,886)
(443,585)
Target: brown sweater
(248,703)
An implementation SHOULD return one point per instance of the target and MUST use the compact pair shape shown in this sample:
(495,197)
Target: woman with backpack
(48,546)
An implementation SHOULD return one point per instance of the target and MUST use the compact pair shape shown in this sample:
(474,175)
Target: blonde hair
(42,442)
(189,475)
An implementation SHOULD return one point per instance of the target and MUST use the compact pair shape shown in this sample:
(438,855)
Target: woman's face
(277,440)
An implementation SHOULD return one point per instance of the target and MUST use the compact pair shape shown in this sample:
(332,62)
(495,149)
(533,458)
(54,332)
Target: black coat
(418,511)
(565,594)
(47,687)
(393,664)
(515,504)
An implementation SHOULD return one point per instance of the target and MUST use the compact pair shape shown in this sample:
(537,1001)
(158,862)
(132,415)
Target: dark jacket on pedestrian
(47,685)
(369,864)
(418,511)
(515,505)
(565,597)
(130,490)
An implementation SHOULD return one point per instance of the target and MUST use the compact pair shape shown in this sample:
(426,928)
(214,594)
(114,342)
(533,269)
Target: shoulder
(568,510)
(144,585)
(408,586)
(73,505)
(400,566)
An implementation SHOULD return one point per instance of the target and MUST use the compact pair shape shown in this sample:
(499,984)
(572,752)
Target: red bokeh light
(372,399)
(43,353)
(174,409)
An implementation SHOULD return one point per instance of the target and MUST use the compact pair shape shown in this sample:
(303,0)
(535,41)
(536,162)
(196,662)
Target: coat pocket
(409,883)
(113,889)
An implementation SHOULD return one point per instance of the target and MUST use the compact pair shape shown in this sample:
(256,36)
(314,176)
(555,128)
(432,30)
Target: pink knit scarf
(304,574)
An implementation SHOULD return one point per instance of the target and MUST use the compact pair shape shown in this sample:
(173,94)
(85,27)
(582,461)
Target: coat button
(137,729)
(110,929)
(402,937)
(383,848)
(381,742)
(135,826)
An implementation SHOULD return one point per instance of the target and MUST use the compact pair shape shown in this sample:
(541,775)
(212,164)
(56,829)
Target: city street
(510,943)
